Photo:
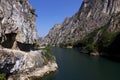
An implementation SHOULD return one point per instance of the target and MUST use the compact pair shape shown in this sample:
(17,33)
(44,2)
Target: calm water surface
(76,66)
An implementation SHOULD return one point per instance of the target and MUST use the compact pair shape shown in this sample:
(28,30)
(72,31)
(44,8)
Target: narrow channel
(74,65)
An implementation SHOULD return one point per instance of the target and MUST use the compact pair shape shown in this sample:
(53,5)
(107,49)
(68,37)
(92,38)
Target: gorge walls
(95,27)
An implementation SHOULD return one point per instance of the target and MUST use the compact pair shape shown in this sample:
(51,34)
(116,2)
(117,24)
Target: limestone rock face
(24,65)
(19,60)
(17,16)
(53,35)
(93,14)
(18,37)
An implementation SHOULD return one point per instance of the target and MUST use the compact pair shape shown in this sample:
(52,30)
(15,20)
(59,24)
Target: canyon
(94,28)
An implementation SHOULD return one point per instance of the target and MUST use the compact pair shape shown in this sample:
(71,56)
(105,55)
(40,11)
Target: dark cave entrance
(25,47)
(9,40)
(11,43)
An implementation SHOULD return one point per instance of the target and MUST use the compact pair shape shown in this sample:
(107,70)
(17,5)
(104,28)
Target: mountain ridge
(95,23)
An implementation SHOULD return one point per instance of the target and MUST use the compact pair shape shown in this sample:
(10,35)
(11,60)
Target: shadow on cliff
(112,52)
(8,41)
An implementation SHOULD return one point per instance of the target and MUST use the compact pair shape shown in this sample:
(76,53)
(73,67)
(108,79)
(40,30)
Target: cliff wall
(18,36)
(95,27)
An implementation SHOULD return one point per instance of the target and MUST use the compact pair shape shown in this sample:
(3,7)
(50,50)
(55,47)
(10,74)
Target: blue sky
(51,12)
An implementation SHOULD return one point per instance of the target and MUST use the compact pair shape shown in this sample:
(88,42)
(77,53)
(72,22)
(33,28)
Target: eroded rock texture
(95,29)
(17,21)
(93,14)
(18,39)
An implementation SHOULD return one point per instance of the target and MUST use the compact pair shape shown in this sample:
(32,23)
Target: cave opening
(25,47)
(9,40)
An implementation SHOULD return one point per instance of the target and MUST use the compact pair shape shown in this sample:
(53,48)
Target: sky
(51,12)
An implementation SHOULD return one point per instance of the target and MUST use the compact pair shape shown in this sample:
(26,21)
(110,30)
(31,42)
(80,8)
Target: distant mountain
(95,27)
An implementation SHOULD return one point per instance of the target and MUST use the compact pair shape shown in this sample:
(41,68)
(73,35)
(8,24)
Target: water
(76,66)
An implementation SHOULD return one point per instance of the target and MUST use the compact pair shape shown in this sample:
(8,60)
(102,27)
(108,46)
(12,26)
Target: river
(74,65)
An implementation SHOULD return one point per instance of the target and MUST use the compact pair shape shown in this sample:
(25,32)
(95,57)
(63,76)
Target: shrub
(88,39)
(108,38)
(21,1)
(62,45)
(3,76)
(91,47)
(79,43)
(48,49)
(36,46)
(33,11)
(48,55)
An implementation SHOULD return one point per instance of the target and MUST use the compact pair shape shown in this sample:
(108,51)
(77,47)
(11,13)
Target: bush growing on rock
(3,76)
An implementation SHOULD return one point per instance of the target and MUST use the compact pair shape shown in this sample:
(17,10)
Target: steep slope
(18,37)
(92,15)
(95,28)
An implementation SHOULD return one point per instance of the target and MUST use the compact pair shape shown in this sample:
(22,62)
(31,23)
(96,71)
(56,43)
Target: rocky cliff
(17,22)
(18,37)
(96,23)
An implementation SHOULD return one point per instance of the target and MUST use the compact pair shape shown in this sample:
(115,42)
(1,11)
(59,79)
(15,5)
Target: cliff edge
(95,27)
(18,37)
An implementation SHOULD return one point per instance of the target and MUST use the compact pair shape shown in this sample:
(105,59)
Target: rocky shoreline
(25,65)
(37,73)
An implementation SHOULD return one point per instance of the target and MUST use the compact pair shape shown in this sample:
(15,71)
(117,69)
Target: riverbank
(25,65)
(74,65)
(37,73)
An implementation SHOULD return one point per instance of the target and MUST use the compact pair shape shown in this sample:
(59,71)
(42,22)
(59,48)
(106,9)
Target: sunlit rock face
(93,14)
(18,37)
(25,65)
(18,17)
(95,28)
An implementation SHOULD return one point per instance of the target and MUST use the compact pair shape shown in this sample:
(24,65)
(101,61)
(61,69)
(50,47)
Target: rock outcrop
(17,22)
(18,37)
(93,26)
(25,65)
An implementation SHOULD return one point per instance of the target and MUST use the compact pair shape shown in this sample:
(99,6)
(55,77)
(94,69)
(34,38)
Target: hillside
(95,27)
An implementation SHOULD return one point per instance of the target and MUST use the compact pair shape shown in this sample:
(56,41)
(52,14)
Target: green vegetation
(48,49)
(47,55)
(36,47)
(33,11)
(91,47)
(3,76)
(108,38)
(87,42)
(105,39)
(21,1)
(64,45)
